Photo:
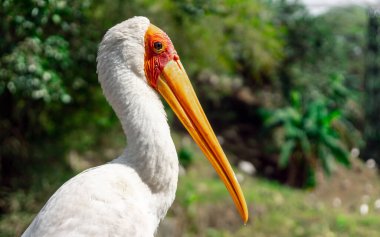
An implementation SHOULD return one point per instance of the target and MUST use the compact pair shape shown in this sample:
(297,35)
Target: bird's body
(131,194)
(106,193)
(140,185)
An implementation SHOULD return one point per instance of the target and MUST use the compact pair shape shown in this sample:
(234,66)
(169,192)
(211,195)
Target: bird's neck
(150,150)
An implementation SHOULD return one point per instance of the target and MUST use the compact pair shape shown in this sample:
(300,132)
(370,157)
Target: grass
(275,210)
(205,209)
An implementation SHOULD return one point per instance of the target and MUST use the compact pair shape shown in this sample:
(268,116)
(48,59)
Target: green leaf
(286,151)
(335,114)
(338,150)
(295,97)
(274,119)
(324,157)
(311,180)
(305,143)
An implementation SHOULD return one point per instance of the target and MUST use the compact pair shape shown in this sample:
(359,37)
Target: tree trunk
(372,88)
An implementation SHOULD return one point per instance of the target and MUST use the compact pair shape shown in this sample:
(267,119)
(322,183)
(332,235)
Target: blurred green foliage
(308,138)
(48,85)
(243,57)
(185,157)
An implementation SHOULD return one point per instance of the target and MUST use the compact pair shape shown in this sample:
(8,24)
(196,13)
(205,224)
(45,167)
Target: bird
(137,64)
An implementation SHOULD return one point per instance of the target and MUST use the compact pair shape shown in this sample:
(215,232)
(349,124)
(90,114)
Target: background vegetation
(290,95)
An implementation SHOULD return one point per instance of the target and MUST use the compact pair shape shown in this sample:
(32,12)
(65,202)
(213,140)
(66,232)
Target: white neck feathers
(150,149)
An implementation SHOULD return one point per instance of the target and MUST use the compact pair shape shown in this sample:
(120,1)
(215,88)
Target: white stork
(131,194)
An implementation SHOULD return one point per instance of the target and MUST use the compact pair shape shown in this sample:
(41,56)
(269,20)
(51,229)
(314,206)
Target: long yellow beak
(174,85)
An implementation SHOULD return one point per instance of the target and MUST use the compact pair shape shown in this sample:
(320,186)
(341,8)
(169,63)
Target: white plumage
(131,194)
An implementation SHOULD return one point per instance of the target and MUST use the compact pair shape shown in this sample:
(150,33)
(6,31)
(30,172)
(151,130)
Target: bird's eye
(157,46)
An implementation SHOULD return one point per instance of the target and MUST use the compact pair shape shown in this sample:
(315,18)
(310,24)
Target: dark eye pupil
(157,45)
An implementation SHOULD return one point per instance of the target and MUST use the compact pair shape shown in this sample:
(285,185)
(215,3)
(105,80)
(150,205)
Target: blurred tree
(315,67)
(313,49)
(308,137)
(372,87)
(44,49)
(349,49)
(350,37)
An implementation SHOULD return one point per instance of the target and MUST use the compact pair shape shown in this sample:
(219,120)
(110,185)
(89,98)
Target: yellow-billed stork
(131,194)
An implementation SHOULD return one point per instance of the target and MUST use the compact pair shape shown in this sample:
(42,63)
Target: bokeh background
(292,91)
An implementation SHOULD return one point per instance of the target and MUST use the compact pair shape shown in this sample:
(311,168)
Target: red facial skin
(155,60)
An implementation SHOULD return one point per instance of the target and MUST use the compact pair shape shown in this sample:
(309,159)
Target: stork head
(148,52)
